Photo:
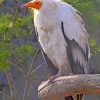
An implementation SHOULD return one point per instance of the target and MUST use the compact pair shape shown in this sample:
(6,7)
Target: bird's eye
(36,3)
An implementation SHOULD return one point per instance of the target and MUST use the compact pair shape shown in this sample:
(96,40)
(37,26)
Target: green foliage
(4,55)
(1,1)
(95,49)
(25,49)
(22,26)
(18,27)
(97,15)
(90,10)
(87,8)
(4,27)
(14,25)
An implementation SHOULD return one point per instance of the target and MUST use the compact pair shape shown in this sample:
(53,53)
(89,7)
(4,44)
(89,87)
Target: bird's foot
(71,74)
(51,78)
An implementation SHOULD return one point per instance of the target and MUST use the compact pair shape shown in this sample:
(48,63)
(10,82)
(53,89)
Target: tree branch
(69,85)
(12,86)
(29,77)
(3,94)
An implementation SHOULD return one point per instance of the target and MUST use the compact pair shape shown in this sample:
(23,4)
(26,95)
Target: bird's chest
(51,38)
(54,46)
(47,23)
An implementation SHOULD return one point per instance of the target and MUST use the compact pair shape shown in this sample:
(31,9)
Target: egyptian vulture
(63,38)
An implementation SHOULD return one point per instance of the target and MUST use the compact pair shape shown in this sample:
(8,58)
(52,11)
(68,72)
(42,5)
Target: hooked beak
(36,4)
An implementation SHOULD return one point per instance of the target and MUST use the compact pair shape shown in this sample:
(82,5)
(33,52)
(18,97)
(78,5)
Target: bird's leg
(60,73)
(51,78)
(71,74)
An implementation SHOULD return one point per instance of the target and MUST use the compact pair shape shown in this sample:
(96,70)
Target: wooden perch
(68,86)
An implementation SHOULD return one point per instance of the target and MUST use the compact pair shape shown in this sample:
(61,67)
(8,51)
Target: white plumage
(62,36)
(48,23)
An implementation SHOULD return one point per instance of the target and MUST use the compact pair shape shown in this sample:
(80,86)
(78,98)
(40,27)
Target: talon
(51,78)
(71,74)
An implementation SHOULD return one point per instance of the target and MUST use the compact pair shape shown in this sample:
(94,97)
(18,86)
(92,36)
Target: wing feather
(52,68)
(73,23)
(76,38)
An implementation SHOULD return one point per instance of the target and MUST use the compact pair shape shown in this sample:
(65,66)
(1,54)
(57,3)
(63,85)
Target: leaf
(4,56)
(25,48)
(97,15)
(1,1)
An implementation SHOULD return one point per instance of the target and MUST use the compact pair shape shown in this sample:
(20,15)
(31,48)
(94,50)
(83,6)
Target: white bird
(63,38)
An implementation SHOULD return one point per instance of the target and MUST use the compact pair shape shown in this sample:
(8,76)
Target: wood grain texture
(69,85)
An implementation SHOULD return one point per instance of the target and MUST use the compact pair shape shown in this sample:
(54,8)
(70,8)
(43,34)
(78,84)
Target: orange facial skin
(36,4)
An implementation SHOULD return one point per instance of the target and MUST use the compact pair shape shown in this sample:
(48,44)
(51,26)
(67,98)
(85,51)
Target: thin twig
(7,8)
(29,77)
(4,94)
(28,83)
(34,58)
(11,84)
(17,60)
(26,89)
(37,68)
(19,67)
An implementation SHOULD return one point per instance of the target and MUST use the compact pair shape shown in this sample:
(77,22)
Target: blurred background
(22,67)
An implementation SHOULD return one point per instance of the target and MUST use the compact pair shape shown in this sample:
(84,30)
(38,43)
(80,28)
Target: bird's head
(37,4)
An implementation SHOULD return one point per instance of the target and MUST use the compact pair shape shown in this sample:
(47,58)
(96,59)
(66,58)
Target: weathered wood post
(69,85)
